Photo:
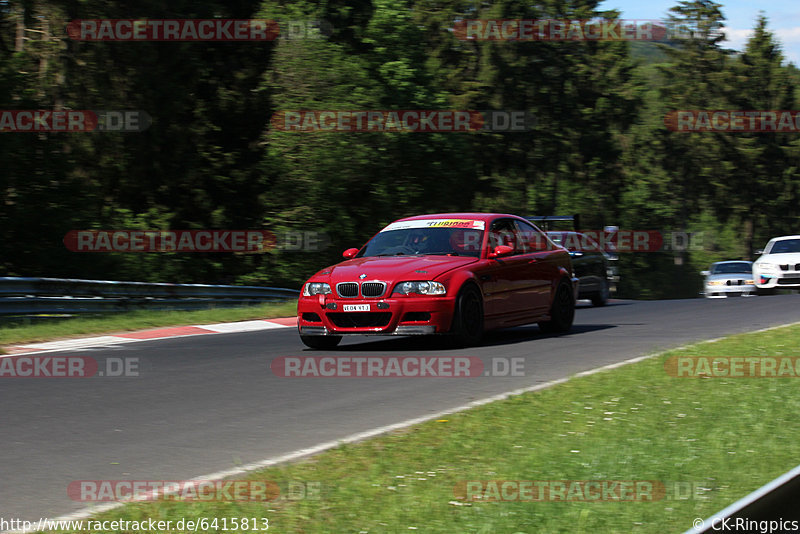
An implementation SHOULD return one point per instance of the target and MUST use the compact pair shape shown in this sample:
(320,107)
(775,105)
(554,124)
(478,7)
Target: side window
(466,241)
(531,238)
(504,232)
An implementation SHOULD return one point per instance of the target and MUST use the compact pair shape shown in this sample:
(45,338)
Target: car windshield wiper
(395,254)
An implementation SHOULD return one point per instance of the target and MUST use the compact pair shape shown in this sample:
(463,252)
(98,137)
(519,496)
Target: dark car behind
(590,262)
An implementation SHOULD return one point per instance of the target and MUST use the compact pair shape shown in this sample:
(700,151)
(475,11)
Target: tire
(467,328)
(562,312)
(601,297)
(766,291)
(321,342)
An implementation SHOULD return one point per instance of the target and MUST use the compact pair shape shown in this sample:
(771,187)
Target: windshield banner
(436,223)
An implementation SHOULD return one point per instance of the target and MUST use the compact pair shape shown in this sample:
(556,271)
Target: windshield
(785,246)
(420,241)
(732,268)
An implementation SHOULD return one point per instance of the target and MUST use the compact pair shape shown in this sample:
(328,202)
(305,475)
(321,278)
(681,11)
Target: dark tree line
(211,159)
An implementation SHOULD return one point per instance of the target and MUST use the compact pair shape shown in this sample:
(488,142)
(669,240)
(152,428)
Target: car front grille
(373,289)
(735,282)
(360,319)
(347,289)
(368,289)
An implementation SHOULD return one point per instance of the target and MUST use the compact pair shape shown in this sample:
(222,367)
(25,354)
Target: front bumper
(733,290)
(716,292)
(402,316)
(777,280)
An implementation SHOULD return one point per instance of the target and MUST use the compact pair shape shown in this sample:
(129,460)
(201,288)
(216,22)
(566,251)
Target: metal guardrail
(771,508)
(28,296)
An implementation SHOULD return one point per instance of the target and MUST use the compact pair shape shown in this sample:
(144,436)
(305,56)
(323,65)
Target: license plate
(355,307)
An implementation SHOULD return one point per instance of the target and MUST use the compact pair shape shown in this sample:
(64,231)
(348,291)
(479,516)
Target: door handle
(534,260)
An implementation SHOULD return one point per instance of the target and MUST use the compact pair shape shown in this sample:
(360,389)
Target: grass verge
(24,332)
(724,437)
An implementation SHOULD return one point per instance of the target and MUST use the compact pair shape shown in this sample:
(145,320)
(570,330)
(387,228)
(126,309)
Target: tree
(763,184)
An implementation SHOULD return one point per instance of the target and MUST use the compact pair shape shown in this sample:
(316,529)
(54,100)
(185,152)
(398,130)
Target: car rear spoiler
(544,221)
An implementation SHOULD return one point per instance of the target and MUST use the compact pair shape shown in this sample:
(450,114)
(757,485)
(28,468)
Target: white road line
(241,326)
(79,343)
(106,341)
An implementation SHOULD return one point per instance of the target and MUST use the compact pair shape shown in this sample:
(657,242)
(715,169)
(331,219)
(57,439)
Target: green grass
(15,333)
(726,436)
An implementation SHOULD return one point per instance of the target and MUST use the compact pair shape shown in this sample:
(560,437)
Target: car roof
(731,261)
(781,238)
(465,215)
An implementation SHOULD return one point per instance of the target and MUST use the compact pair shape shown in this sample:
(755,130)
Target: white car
(779,264)
(729,279)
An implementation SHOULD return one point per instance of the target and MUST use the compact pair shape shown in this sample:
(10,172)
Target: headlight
(422,288)
(749,282)
(316,288)
(767,266)
(716,282)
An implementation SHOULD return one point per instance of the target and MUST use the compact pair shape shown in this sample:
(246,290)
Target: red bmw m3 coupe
(459,274)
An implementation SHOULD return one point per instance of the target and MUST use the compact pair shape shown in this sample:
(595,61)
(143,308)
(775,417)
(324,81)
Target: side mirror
(759,252)
(350,253)
(705,273)
(501,250)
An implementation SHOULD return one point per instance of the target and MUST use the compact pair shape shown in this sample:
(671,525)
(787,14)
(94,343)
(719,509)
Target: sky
(783,18)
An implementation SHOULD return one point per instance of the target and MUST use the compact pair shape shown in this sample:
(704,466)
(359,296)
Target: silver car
(729,279)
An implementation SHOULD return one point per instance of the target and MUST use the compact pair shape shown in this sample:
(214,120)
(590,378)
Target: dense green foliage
(212,160)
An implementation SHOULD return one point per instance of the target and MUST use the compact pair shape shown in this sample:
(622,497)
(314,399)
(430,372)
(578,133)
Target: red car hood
(395,268)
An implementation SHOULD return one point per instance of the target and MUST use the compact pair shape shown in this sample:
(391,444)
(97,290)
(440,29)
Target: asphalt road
(209,403)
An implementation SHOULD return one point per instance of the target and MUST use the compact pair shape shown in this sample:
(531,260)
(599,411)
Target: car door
(540,268)
(504,279)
